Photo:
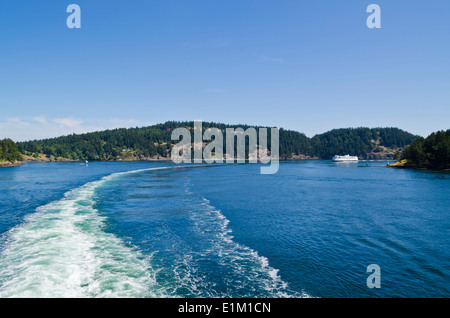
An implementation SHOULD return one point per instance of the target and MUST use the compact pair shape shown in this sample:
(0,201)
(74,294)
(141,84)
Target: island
(431,153)
(155,143)
(9,154)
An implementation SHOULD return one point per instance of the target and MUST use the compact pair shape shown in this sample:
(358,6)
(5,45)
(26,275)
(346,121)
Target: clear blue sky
(309,66)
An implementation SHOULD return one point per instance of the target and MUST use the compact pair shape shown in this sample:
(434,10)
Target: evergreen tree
(152,141)
(9,151)
(432,152)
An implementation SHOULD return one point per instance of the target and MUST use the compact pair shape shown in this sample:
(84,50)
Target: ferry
(344,158)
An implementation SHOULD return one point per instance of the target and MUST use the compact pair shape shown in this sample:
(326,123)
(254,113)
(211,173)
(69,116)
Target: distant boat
(344,158)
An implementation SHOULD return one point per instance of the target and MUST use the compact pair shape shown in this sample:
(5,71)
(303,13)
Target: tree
(431,153)
(156,140)
(9,151)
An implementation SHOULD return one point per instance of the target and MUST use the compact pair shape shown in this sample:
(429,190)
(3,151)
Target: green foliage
(432,152)
(359,141)
(155,141)
(294,143)
(9,151)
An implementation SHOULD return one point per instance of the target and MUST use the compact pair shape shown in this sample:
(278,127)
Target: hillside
(154,142)
(366,143)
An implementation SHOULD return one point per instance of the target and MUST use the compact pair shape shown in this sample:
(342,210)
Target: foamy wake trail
(62,250)
(251,273)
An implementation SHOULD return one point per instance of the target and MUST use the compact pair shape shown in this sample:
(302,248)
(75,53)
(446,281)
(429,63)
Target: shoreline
(168,159)
(44,158)
(404,165)
(419,169)
(9,164)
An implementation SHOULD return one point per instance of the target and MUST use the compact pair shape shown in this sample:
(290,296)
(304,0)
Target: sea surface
(156,229)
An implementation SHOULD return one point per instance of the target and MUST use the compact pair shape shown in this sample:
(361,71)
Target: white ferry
(344,158)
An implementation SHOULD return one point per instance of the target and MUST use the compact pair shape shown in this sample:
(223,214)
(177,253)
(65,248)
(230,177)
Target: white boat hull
(346,158)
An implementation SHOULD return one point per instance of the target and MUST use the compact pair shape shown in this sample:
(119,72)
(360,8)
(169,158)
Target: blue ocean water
(156,229)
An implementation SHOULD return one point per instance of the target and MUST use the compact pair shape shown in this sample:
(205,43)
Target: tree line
(432,152)
(155,142)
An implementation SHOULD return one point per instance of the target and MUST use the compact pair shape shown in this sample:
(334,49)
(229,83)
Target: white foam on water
(62,250)
(252,272)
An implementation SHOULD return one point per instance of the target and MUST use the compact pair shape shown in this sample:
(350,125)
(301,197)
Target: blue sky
(309,66)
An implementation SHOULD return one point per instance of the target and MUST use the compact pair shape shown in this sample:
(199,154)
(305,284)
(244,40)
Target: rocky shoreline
(293,157)
(403,164)
(6,164)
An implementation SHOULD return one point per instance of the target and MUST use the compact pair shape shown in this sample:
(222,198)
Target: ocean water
(156,229)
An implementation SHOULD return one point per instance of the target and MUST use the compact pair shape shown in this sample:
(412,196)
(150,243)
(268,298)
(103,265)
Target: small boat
(344,158)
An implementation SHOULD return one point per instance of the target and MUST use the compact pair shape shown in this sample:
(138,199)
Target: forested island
(9,153)
(154,143)
(431,153)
